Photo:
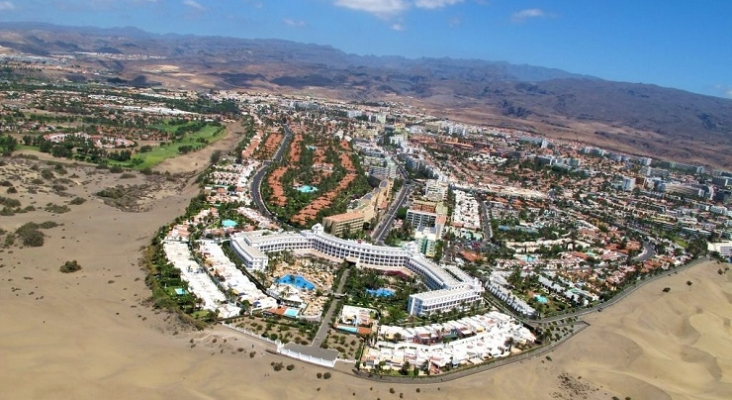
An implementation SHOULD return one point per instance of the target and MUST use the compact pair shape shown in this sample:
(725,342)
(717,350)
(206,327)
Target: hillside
(634,118)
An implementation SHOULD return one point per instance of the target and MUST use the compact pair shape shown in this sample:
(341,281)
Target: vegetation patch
(77,201)
(69,267)
(30,235)
(57,209)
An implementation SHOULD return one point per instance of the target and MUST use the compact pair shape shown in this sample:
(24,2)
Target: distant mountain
(634,118)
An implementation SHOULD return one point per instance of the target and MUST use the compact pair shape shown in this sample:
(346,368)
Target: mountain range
(635,118)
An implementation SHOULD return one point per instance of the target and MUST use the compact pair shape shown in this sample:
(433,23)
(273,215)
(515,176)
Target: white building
(444,300)
(252,246)
(436,190)
(628,184)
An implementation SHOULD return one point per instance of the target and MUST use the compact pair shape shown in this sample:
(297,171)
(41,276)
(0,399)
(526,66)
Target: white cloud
(728,93)
(195,5)
(398,26)
(294,23)
(381,8)
(454,22)
(432,4)
(6,6)
(528,14)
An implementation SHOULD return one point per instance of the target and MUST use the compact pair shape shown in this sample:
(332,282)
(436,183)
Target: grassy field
(161,153)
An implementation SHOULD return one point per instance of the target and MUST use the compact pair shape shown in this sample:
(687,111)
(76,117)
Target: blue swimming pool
(227,223)
(380,292)
(291,312)
(307,189)
(180,291)
(347,328)
(541,299)
(296,280)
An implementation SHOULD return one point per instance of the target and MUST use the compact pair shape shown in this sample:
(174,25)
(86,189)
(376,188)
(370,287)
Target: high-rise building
(341,224)
(628,183)
(436,190)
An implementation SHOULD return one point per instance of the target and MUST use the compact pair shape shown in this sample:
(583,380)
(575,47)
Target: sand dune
(88,335)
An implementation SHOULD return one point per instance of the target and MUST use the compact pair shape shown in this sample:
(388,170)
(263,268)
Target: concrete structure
(341,224)
(425,214)
(426,239)
(436,190)
(456,287)
(628,184)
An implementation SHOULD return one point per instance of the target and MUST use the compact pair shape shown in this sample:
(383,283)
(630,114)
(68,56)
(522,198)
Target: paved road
(486,221)
(256,183)
(385,224)
(325,322)
(649,251)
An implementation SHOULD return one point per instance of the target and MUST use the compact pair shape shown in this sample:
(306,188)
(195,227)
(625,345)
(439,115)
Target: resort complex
(451,287)
(432,266)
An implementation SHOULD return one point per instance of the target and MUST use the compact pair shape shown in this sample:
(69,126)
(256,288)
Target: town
(377,234)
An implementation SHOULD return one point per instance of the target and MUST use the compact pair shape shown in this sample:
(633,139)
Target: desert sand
(90,334)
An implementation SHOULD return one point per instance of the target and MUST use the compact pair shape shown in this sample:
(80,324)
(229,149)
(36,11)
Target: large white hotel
(450,286)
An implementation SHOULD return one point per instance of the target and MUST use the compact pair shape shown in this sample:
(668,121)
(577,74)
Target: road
(486,221)
(325,322)
(384,225)
(256,183)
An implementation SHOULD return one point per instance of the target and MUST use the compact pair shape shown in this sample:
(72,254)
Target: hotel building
(451,287)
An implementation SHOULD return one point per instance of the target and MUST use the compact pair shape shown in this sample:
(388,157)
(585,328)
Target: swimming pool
(380,292)
(524,257)
(297,281)
(179,291)
(541,299)
(227,223)
(291,312)
(347,328)
(307,189)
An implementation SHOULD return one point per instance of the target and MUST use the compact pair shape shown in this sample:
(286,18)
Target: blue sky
(681,44)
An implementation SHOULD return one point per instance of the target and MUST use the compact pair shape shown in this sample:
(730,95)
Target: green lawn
(161,153)
(24,147)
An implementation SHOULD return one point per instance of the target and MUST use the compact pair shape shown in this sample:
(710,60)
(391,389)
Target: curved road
(256,183)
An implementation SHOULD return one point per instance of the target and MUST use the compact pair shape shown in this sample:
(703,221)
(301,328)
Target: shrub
(116,169)
(59,168)
(48,225)
(392,391)
(57,209)
(30,235)
(666,289)
(290,367)
(319,375)
(70,266)
(326,375)
(77,201)
(47,174)
(12,190)
(127,175)
(58,188)
(10,240)
(8,202)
